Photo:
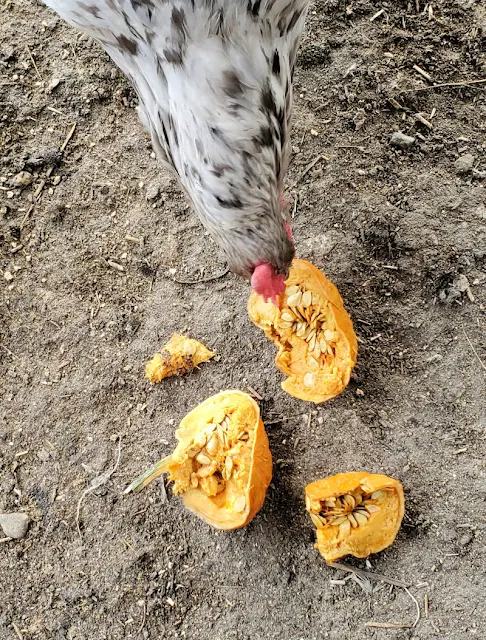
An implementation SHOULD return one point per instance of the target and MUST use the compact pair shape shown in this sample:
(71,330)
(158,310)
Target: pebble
(401,140)
(22,179)
(464,163)
(153,192)
(466,539)
(14,525)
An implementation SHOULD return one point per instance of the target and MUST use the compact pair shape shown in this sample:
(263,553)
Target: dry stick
(474,350)
(368,574)
(38,191)
(444,84)
(307,169)
(201,280)
(18,633)
(97,482)
(143,619)
(33,62)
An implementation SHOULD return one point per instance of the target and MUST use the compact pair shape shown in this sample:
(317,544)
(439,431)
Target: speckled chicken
(214,82)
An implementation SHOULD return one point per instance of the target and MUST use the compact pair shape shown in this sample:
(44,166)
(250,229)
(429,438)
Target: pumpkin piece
(316,343)
(222,465)
(179,355)
(355,513)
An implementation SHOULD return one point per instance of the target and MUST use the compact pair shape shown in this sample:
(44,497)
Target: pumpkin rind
(383,496)
(309,378)
(180,355)
(244,491)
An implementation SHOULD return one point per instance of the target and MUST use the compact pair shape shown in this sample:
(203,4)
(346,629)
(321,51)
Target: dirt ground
(402,232)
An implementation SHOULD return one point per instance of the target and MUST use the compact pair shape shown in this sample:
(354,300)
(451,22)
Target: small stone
(53,84)
(464,164)
(43,455)
(8,276)
(14,525)
(22,179)
(56,180)
(153,192)
(401,140)
(466,539)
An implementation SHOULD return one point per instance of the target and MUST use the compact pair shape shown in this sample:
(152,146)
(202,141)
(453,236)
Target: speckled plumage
(214,81)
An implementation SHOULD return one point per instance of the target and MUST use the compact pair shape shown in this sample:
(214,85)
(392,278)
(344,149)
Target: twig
(398,625)
(417,605)
(423,120)
(368,574)
(201,280)
(18,633)
(466,83)
(423,73)
(97,482)
(254,393)
(426,605)
(143,619)
(377,15)
(33,62)
(474,350)
(307,169)
(38,191)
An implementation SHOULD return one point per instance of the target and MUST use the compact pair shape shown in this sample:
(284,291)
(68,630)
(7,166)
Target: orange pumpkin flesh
(317,346)
(179,355)
(355,513)
(222,465)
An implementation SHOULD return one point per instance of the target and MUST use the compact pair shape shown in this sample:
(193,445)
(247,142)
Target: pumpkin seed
(312,342)
(345,528)
(292,289)
(339,520)
(323,345)
(307,298)
(213,445)
(240,504)
(285,324)
(193,451)
(208,470)
(301,328)
(377,495)
(294,299)
(329,335)
(203,459)
(352,520)
(372,508)
(316,520)
(315,298)
(228,463)
(200,440)
(349,500)
(330,502)
(313,364)
(309,380)
(311,334)
(287,316)
(359,517)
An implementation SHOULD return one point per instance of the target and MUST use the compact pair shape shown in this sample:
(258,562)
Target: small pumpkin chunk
(317,346)
(355,513)
(178,356)
(222,465)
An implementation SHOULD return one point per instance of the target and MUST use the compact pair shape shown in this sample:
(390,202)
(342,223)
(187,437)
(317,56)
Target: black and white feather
(214,82)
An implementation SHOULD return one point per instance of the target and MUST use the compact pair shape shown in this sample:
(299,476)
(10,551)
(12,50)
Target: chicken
(214,83)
